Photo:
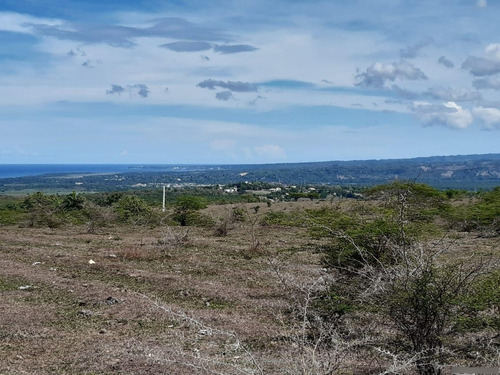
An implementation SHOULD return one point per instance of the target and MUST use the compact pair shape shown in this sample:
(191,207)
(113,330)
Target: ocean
(22,170)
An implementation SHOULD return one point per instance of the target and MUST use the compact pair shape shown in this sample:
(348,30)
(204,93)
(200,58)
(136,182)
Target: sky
(247,81)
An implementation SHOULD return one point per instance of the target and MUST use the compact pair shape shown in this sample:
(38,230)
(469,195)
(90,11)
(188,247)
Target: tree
(73,202)
(383,268)
(186,207)
(133,210)
(42,209)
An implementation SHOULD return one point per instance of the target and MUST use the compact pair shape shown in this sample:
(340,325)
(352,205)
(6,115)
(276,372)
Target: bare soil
(136,300)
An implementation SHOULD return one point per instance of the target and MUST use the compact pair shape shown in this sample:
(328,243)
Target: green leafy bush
(486,212)
(482,305)
(185,212)
(133,210)
(42,209)
(285,219)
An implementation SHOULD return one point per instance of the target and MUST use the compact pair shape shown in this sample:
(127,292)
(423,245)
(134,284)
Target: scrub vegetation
(399,278)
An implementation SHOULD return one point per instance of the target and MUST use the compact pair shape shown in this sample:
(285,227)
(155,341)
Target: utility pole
(163,198)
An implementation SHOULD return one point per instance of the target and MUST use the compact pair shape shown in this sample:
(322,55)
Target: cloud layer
(317,80)
(204,46)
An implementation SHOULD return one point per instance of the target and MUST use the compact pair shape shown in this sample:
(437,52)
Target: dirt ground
(167,300)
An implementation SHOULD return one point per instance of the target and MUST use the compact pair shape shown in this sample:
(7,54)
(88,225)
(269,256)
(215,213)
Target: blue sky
(238,81)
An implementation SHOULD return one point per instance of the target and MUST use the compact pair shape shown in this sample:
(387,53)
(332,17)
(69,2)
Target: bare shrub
(225,223)
(220,351)
(383,268)
(222,228)
(319,346)
(255,244)
(174,237)
(97,216)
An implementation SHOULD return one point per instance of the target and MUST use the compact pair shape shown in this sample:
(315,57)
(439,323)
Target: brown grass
(194,306)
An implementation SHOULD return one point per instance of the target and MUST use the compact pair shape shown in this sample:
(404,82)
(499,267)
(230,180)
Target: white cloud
(377,74)
(448,114)
(15,22)
(484,66)
(489,116)
(493,51)
(454,95)
(482,3)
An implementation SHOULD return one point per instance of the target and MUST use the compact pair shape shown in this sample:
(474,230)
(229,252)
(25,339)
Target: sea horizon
(25,170)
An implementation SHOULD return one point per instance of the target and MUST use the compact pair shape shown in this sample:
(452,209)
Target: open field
(173,300)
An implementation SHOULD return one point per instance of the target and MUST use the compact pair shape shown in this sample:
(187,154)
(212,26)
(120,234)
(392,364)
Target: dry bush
(318,346)
(210,350)
(174,237)
(98,217)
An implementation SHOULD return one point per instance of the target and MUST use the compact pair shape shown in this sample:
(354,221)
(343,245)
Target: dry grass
(156,301)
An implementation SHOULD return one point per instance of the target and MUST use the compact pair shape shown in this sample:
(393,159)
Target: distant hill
(459,172)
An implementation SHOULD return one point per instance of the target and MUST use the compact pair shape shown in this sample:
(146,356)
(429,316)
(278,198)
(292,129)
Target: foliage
(418,202)
(424,305)
(484,296)
(480,213)
(97,216)
(238,214)
(190,202)
(371,243)
(186,208)
(42,209)
(382,268)
(107,199)
(309,195)
(72,202)
(133,210)
(486,212)
(11,211)
(280,218)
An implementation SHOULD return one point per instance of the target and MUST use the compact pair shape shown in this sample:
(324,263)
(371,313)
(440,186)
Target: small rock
(103,331)
(111,301)
(85,313)
(25,287)
(91,261)
(36,263)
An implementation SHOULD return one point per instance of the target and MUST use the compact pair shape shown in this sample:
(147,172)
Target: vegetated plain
(398,279)
(470,172)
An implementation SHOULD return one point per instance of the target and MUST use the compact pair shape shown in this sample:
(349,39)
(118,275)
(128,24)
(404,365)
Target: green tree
(73,202)
(42,209)
(382,267)
(186,207)
(133,210)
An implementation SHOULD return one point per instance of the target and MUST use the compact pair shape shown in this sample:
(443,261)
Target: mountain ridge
(476,171)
